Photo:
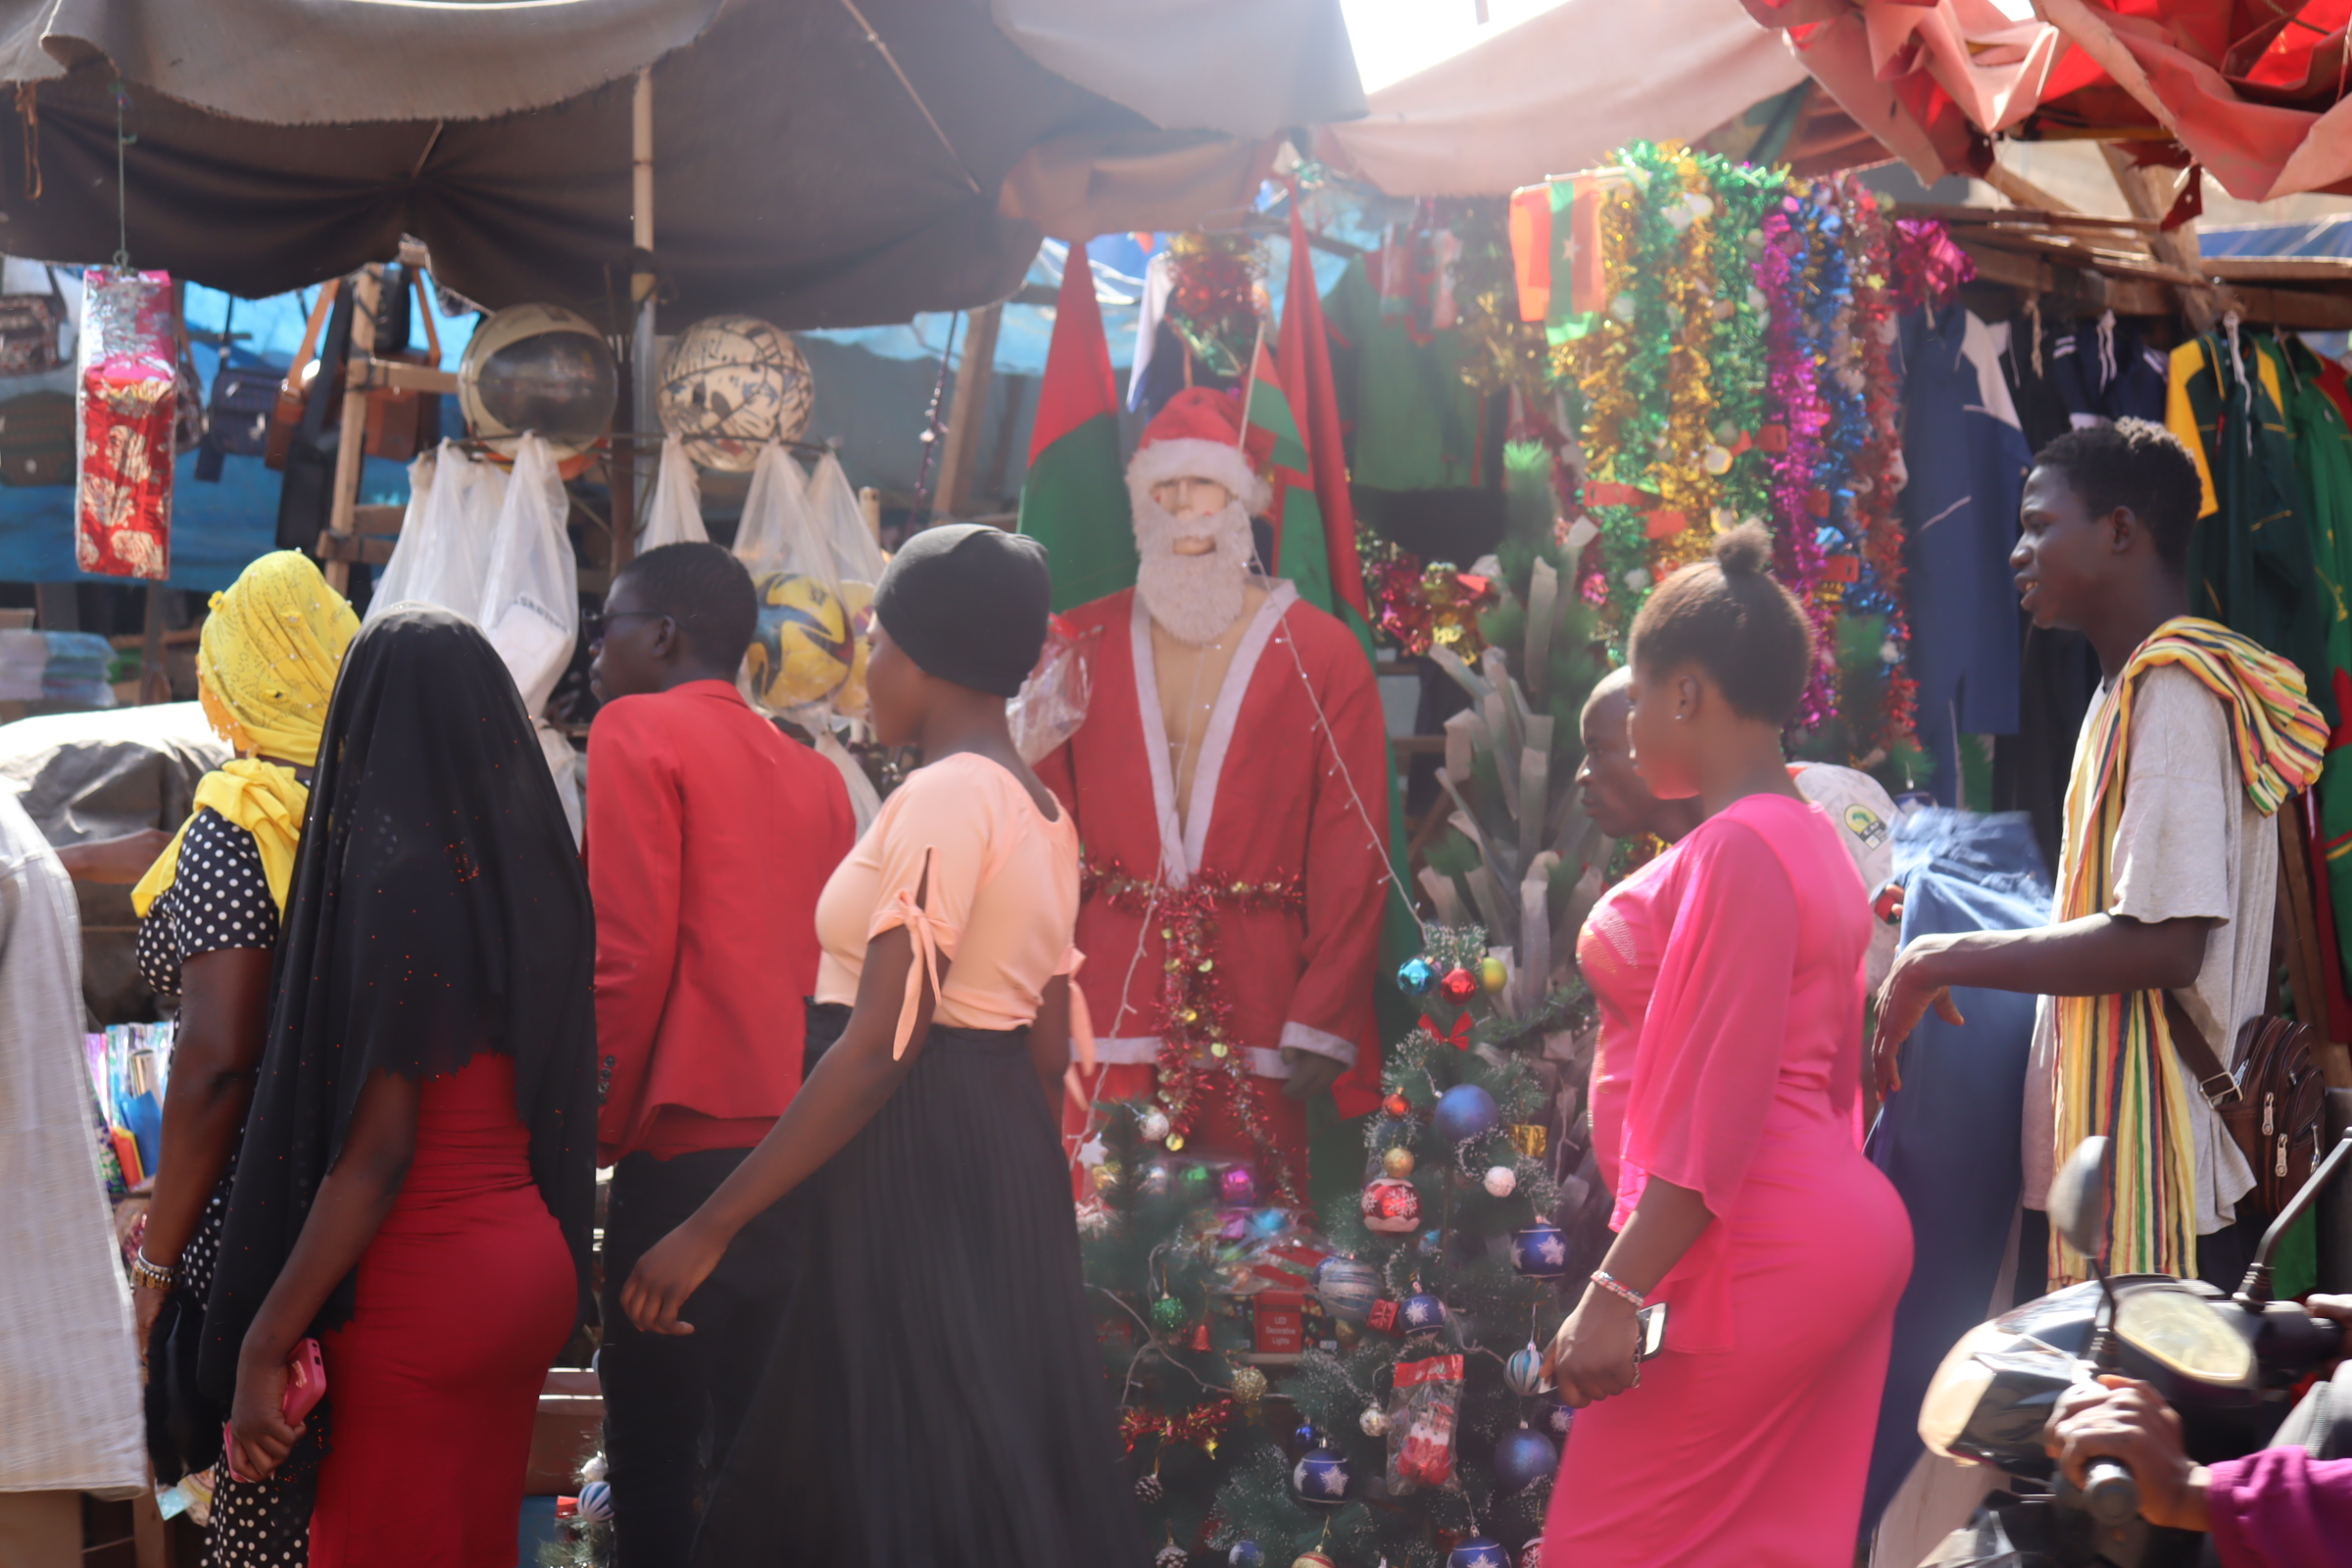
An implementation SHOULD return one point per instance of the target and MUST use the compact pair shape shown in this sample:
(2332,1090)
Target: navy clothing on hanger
(1967,461)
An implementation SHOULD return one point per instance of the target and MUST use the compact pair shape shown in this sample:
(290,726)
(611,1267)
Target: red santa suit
(1259,918)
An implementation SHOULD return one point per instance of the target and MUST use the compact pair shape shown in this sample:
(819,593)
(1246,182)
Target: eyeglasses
(596,622)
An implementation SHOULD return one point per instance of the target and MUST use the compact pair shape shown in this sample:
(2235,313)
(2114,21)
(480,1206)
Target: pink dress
(1730,979)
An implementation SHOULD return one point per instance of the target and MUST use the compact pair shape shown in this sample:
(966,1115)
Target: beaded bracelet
(154,1275)
(1602,1278)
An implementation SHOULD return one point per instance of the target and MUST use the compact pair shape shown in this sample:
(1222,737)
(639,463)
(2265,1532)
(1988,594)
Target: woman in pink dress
(1727,1119)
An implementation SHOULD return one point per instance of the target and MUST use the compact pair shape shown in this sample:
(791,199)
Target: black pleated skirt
(933,1398)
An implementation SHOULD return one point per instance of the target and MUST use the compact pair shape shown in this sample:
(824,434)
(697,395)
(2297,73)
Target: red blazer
(709,837)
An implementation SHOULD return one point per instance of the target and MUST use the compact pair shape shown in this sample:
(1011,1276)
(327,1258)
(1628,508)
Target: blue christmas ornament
(1524,1371)
(1421,1314)
(1414,977)
(1268,1222)
(1539,1252)
(1307,1437)
(596,1500)
(1464,1111)
(1558,1418)
(1321,1478)
(1246,1555)
(1431,1241)
(1524,1457)
(1478,1553)
(1348,1289)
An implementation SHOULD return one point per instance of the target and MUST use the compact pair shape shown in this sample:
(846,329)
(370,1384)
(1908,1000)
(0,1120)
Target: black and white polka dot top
(219,898)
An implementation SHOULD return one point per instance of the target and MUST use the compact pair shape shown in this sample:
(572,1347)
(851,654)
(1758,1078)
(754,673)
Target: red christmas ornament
(1458,985)
(1392,1207)
(1397,1106)
(1382,1317)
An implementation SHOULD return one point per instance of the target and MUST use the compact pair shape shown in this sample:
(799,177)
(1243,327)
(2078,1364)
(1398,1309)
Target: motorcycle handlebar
(2110,1492)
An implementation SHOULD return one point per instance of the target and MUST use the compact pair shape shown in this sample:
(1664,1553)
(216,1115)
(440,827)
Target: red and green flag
(1074,500)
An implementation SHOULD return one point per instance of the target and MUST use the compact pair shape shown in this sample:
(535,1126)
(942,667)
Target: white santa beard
(1195,598)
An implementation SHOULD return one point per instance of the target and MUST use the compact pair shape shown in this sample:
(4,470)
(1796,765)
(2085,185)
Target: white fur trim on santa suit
(1190,458)
(1183,843)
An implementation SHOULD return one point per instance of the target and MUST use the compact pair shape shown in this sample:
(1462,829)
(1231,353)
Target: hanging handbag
(28,324)
(183,1427)
(293,392)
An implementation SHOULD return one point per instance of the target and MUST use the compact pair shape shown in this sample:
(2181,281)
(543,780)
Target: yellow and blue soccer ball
(802,650)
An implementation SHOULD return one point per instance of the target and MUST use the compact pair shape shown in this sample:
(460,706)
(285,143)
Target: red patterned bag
(125,371)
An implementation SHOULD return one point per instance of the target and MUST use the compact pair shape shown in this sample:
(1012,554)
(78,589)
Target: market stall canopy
(821,162)
(2254,94)
(1559,91)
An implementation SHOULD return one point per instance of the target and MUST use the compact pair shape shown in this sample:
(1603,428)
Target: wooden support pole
(353,442)
(2149,193)
(155,681)
(959,464)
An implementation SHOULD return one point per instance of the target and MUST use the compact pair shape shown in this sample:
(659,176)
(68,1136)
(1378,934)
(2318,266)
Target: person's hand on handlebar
(2127,1421)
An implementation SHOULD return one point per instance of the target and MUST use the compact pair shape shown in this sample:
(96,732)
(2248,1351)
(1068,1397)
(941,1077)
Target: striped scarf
(2116,1071)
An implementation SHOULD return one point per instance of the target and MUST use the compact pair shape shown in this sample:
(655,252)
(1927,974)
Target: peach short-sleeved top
(999,905)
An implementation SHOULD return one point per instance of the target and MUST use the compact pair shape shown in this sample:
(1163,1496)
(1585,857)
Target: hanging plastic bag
(530,604)
(802,652)
(857,560)
(1423,1413)
(443,554)
(674,516)
(1051,703)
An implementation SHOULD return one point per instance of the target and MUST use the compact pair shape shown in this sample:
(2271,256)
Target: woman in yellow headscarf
(209,911)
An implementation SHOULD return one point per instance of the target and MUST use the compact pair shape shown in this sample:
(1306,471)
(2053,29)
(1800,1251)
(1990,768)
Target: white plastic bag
(530,603)
(1051,703)
(775,512)
(839,530)
(674,514)
(443,556)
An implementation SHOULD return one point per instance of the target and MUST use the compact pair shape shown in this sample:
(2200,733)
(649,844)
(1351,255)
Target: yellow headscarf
(266,670)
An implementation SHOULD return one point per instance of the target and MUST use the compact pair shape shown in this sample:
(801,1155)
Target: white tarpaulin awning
(1561,90)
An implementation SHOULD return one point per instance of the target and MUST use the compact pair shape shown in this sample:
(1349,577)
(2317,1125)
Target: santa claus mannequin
(1229,787)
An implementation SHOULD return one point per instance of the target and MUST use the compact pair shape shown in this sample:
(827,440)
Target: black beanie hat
(968,603)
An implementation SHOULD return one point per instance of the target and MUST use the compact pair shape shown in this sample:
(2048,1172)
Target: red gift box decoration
(1383,1317)
(125,373)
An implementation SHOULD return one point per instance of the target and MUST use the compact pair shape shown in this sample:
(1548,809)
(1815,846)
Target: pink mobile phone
(305,1386)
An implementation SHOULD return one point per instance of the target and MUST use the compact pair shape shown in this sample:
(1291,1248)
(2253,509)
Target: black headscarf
(968,603)
(438,910)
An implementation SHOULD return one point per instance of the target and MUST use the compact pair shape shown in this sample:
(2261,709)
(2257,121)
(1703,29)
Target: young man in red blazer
(709,837)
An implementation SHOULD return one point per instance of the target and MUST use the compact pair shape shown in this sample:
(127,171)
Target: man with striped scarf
(2159,950)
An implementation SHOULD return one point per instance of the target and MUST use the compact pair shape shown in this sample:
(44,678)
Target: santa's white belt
(1142,1051)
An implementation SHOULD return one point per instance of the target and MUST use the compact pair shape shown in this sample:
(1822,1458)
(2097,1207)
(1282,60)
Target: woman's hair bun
(1745,551)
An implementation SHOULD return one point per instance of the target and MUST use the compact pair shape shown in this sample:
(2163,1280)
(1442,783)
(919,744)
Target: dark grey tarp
(99,776)
(807,170)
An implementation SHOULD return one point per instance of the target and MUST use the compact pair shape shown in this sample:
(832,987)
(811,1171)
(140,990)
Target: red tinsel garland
(1197,1042)
(1201,1426)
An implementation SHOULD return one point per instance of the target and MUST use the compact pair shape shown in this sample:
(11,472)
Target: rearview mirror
(2080,1197)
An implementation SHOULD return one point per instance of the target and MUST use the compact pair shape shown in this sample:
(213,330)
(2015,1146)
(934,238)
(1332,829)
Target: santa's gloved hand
(1311,1072)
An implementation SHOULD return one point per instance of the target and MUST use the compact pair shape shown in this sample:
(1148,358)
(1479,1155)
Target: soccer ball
(538,368)
(802,652)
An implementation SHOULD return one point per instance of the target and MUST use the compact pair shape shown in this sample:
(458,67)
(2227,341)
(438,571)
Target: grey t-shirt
(2190,845)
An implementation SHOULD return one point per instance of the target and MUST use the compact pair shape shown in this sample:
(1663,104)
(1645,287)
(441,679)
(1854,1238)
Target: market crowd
(840,1305)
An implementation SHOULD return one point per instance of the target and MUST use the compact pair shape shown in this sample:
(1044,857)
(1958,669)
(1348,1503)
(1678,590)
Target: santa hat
(1197,436)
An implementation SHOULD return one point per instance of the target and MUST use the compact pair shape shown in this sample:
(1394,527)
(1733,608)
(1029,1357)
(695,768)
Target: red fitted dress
(465,1296)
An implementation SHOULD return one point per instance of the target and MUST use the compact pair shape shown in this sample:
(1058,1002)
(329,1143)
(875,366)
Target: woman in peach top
(933,1399)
